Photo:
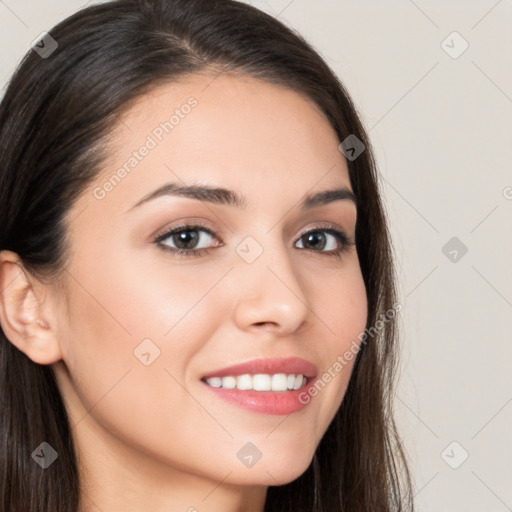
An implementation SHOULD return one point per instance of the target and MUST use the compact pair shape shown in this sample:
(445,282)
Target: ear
(24,316)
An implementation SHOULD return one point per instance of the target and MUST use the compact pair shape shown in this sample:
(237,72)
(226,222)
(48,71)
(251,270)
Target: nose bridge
(269,289)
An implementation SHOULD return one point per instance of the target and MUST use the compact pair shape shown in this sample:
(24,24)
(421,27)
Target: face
(164,290)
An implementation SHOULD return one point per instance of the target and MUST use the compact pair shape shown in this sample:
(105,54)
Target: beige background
(442,131)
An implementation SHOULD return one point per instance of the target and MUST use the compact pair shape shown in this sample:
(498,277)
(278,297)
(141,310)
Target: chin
(277,469)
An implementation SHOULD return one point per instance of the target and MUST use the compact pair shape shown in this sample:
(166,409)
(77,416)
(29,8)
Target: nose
(270,294)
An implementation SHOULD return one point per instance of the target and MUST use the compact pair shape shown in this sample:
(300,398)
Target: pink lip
(267,402)
(270,366)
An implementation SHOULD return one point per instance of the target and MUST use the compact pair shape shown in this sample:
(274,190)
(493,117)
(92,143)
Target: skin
(153,437)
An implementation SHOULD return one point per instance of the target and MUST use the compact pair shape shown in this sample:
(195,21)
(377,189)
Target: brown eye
(315,240)
(329,240)
(186,240)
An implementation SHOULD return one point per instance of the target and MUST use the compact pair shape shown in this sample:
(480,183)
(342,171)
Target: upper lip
(270,366)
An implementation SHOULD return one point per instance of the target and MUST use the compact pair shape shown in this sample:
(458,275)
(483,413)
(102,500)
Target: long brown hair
(54,117)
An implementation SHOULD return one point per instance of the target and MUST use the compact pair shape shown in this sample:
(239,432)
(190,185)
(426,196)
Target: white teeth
(214,382)
(279,381)
(259,381)
(229,382)
(244,382)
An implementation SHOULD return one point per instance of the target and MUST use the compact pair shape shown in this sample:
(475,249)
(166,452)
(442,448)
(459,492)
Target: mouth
(269,386)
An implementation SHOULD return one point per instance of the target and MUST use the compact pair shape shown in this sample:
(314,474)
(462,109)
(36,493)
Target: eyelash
(342,238)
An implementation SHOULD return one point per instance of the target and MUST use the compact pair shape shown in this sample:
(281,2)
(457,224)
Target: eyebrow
(223,196)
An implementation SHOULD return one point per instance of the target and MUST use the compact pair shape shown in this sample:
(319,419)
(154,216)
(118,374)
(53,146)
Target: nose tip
(271,299)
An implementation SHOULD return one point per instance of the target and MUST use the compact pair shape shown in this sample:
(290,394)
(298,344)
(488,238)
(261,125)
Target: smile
(259,382)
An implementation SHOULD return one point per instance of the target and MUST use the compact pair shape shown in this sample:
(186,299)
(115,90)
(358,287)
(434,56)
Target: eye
(188,240)
(194,240)
(326,239)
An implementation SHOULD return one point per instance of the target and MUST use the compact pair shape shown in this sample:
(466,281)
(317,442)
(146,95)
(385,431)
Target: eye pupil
(183,239)
(316,239)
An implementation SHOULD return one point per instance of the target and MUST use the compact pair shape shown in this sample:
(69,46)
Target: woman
(197,290)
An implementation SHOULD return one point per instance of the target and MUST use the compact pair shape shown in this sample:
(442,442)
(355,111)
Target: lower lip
(267,402)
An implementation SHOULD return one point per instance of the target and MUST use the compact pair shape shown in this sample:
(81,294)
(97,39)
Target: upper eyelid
(184,227)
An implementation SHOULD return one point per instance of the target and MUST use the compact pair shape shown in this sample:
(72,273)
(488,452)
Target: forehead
(234,131)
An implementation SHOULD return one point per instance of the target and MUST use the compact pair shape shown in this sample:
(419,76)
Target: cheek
(148,321)
(165,323)
(123,303)
(343,311)
(342,308)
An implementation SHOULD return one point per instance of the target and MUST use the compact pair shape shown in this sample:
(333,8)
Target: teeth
(259,382)
(214,382)
(244,382)
(279,381)
(229,382)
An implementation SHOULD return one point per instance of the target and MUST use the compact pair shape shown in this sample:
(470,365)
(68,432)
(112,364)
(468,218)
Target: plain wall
(441,128)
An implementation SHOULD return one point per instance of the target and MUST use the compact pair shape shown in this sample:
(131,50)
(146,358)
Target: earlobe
(23,314)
